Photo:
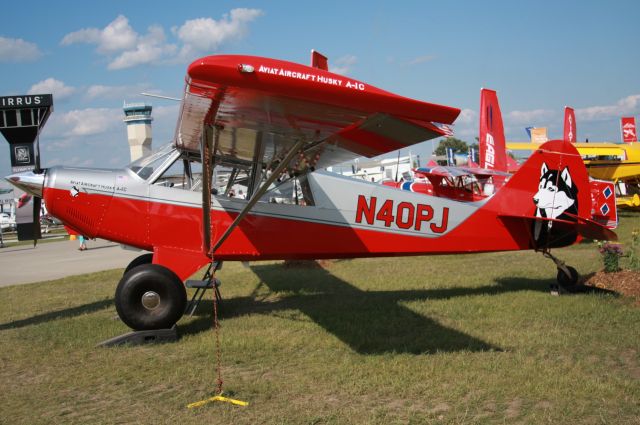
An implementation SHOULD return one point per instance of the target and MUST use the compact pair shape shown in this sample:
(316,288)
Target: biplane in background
(477,181)
(275,123)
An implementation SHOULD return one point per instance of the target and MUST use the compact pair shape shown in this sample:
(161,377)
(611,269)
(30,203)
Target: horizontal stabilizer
(586,228)
(590,229)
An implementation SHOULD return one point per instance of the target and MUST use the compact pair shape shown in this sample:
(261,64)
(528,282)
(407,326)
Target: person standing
(83,244)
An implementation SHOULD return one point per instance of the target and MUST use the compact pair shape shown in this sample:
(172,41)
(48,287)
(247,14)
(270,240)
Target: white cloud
(125,48)
(116,36)
(205,35)
(343,64)
(126,92)
(533,117)
(166,112)
(18,50)
(421,59)
(91,121)
(629,105)
(466,125)
(84,137)
(149,49)
(64,128)
(467,116)
(51,85)
(120,40)
(56,145)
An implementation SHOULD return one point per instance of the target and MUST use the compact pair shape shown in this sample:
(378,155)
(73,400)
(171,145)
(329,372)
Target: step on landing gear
(567,277)
(209,281)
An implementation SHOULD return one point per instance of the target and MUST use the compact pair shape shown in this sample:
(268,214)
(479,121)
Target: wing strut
(206,205)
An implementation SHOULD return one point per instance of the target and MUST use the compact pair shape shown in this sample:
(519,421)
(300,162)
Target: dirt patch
(624,282)
(439,408)
(513,408)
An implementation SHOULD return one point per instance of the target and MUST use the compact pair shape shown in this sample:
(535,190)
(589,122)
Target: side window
(196,176)
(175,176)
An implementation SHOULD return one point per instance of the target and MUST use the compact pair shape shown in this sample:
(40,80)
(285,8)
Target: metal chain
(216,327)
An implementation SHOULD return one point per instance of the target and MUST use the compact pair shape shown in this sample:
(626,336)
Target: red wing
(263,106)
(446,171)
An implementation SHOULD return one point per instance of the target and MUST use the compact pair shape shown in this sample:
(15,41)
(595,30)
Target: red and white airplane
(273,123)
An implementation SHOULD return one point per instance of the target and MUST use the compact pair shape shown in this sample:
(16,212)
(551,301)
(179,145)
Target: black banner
(26,101)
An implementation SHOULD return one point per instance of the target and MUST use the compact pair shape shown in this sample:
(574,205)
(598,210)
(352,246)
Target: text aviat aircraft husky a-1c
(274,125)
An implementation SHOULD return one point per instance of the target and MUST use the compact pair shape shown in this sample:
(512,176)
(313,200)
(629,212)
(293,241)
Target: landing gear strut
(567,276)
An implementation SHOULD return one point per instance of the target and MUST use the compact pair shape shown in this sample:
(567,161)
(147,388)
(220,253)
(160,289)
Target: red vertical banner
(570,130)
(628,128)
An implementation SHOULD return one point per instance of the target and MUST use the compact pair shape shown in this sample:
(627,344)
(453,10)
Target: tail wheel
(568,281)
(138,261)
(150,296)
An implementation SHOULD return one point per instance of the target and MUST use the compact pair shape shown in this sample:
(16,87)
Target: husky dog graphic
(557,198)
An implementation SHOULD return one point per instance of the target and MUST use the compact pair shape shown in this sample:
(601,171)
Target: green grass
(448,339)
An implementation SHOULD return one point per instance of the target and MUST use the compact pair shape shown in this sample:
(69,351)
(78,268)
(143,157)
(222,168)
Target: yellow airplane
(608,161)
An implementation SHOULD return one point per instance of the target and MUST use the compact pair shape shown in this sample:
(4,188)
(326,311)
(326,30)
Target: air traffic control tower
(138,119)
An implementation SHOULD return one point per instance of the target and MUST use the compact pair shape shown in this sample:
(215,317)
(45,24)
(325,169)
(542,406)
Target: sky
(540,56)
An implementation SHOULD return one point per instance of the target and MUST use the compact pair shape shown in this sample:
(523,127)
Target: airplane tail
(570,129)
(551,197)
(493,149)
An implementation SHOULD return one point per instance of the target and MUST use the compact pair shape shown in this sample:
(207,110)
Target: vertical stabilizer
(493,153)
(570,130)
(320,61)
(552,191)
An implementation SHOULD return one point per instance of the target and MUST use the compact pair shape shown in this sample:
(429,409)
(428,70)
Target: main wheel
(568,282)
(150,296)
(138,261)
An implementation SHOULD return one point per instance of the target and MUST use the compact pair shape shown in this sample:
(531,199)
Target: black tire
(568,282)
(138,261)
(162,287)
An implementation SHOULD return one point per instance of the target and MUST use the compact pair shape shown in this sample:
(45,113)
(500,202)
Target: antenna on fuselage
(161,97)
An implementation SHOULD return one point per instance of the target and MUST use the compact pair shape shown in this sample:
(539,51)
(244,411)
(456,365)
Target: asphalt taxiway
(54,260)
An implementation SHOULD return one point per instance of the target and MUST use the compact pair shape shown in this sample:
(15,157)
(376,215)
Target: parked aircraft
(278,122)
(619,163)
(7,222)
(496,166)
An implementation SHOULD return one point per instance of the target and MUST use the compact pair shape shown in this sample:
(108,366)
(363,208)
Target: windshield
(146,165)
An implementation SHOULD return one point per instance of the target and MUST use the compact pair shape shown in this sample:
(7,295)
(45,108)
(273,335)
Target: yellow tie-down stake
(218,397)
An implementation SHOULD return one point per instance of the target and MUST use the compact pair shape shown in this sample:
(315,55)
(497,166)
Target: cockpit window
(145,166)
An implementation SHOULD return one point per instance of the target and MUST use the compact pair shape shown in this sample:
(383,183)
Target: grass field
(448,339)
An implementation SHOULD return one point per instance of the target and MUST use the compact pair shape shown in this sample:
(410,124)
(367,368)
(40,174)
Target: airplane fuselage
(349,218)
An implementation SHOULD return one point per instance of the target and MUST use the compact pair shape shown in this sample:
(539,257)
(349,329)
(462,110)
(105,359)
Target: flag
(570,132)
(446,129)
(628,128)
(451,161)
(528,130)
